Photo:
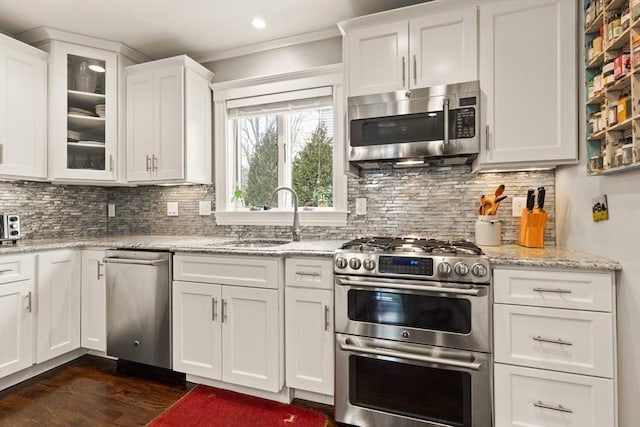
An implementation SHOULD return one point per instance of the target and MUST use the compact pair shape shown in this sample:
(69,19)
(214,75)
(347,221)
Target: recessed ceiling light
(97,68)
(258,23)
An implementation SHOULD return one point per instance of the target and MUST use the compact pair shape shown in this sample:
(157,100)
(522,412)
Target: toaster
(9,227)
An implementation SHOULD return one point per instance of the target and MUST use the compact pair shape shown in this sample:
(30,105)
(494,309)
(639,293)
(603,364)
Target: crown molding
(268,45)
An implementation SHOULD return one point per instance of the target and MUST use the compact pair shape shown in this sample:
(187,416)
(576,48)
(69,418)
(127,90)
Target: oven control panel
(467,269)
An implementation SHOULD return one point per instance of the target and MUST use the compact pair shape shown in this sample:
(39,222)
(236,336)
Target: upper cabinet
(169,122)
(23,110)
(432,47)
(528,75)
(86,143)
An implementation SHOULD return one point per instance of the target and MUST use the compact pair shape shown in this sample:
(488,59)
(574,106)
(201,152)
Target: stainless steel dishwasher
(139,306)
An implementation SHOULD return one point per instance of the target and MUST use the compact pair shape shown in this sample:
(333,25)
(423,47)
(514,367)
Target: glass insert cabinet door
(86,143)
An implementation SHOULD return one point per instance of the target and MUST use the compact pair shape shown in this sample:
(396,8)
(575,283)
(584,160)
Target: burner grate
(412,245)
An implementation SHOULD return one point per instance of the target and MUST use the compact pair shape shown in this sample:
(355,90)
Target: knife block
(532,226)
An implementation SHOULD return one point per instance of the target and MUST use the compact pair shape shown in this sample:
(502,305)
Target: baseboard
(283,396)
(102,354)
(313,397)
(40,368)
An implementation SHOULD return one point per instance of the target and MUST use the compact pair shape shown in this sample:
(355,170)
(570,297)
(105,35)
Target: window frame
(225,150)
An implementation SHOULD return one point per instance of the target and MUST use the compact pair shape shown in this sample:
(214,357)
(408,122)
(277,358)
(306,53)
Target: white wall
(619,239)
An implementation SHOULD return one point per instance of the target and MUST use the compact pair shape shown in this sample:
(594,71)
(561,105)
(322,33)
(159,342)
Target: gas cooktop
(404,257)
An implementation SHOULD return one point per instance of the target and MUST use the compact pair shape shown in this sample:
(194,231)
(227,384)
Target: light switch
(517,204)
(111,209)
(172,208)
(361,206)
(205,207)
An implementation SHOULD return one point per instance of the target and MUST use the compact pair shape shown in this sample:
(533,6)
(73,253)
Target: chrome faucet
(295,228)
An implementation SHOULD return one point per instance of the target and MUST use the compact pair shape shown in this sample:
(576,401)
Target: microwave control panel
(465,122)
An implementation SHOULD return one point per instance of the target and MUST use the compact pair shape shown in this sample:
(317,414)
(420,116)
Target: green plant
(237,195)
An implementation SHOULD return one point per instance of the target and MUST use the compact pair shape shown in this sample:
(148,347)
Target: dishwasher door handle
(154,262)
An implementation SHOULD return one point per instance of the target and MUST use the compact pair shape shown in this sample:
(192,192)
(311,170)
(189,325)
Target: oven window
(402,128)
(417,311)
(430,394)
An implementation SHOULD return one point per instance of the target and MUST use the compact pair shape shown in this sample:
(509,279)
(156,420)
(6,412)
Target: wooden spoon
(499,191)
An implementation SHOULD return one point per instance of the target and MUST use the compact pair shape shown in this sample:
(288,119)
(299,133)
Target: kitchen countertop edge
(504,255)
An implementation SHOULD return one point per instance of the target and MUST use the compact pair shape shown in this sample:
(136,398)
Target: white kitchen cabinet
(58,303)
(415,47)
(227,319)
(309,341)
(169,122)
(17,298)
(528,66)
(554,347)
(197,329)
(23,110)
(93,301)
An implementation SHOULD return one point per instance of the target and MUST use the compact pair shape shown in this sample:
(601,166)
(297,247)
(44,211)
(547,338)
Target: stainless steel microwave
(439,124)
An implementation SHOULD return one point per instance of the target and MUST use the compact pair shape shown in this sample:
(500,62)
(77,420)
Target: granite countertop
(504,255)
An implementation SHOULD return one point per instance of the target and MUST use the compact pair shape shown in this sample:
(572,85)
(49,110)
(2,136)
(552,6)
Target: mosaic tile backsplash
(439,203)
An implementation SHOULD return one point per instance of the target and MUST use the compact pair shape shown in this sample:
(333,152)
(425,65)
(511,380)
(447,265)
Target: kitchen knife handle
(541,194)
(530,199)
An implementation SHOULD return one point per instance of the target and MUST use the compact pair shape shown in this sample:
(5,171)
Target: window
(280,132)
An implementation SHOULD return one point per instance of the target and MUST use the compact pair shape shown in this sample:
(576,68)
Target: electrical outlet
(111,210)
(361,206)
(517,204)
(205,207)
(172,208)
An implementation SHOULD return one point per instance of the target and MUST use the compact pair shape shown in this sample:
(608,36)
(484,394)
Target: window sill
(313,218)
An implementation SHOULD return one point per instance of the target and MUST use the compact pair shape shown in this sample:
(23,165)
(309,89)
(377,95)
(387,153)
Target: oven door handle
(409,356)
(408,287)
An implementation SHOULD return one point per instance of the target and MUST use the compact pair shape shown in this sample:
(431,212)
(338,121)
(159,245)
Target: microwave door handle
(445,144)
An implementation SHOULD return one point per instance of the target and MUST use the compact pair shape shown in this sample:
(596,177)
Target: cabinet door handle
(326,317)
(486,137)
(1,153)
(155,163)
(224,310)
(99,273)
(308,273)
(214,304)
(415,71)
(555,291)
(404,72)
(551,340)
(28,298)
(148,163)
(560,408)
(110,162)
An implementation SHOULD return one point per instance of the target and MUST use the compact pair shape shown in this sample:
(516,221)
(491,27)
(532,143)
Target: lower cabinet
(93,314)
(227,331)
(554,348)
(309,340)
(58,303)
(16,326)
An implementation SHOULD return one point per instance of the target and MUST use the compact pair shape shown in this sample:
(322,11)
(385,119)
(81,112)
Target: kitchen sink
(254,243)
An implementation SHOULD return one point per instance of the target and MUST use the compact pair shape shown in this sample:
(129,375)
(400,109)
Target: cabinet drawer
(560,289)
(566,340)
(14,268)
(258,272)
(309,272)
(534,397)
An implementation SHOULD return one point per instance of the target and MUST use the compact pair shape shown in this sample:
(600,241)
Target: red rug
(206,406)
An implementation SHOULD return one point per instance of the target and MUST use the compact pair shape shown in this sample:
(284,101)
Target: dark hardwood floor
(92,391)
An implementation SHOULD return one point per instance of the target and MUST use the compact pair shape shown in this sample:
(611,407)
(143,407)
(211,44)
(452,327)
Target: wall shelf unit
(612,73)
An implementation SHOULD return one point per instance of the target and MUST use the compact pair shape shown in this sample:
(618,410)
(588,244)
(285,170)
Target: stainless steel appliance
(413,333)
(9,227)
(139,306)
(439,124)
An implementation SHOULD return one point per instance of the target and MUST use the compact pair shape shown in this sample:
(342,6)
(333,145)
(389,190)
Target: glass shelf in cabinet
(623,168)
(621,126)
(619,41)
(596,99)
(622,83)
(596,136)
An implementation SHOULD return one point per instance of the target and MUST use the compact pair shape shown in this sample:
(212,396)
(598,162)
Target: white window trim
(330,75)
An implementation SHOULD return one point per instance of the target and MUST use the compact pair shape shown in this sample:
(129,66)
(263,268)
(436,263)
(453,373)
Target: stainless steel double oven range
(413,333)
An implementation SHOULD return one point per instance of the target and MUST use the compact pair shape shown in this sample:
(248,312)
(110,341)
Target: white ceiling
(162,28)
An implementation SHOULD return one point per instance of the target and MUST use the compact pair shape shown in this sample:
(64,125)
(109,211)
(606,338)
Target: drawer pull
(555,291)
(560,408)
(551,340)
(308,273)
